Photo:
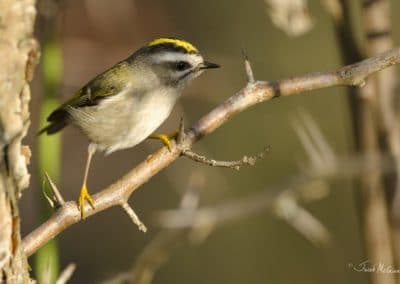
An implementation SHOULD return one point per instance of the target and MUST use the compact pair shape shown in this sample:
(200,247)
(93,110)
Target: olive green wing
(103,86)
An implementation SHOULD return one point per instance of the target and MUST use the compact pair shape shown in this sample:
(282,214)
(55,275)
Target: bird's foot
(84,195)
(165,138)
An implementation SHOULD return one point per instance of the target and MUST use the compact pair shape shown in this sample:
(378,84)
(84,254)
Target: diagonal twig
(66,274)
(55,200)
(135,219)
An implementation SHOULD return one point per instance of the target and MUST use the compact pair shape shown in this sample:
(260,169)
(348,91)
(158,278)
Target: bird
(125,104)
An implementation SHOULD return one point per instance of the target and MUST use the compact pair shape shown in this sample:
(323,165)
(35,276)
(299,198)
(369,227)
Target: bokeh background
(90,36)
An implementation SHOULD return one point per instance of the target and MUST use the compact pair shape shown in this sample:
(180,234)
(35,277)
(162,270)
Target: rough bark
(18,56)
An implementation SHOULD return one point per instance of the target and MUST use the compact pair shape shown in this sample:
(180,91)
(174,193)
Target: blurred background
(80,39)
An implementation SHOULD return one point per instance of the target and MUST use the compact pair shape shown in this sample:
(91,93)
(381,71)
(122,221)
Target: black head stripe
(169,47)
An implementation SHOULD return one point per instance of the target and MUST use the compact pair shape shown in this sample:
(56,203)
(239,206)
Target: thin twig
(66,274)
(288,209)
(229,211)
(249,161)
(135,219)
(57,197)
(321,155)
(251,94)
(247,66)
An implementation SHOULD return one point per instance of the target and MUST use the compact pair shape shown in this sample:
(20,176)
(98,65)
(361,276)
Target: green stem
(49,152)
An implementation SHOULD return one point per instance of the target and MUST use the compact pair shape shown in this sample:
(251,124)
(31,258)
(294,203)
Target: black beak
(208,65)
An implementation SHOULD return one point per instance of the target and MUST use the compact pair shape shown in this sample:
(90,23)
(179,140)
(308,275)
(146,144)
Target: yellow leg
(84,193)
(165,138)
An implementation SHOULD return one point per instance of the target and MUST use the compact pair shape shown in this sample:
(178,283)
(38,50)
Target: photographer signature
(368,267)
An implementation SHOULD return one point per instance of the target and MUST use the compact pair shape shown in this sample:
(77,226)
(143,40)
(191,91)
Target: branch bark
(370,114)
(253,93)
(378,133)
(19,54)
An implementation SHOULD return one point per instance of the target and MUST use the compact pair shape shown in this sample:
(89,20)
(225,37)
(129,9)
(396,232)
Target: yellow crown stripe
(178,42)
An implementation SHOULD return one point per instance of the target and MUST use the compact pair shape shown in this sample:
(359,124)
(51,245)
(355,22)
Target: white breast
(125,120)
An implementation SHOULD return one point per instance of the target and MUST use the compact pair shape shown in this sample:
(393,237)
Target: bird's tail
(58,120)
(53,127)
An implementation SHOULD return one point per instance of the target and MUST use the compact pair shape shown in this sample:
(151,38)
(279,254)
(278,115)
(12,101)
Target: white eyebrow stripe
(194,59)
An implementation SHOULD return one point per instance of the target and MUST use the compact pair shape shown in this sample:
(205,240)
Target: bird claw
(165,138)
(84,195)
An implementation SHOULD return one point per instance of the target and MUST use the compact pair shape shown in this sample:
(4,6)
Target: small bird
(124,105)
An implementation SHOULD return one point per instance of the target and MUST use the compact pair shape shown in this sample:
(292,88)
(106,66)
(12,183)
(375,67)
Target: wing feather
(106,84)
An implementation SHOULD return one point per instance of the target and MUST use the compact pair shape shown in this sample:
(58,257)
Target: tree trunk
(18,57)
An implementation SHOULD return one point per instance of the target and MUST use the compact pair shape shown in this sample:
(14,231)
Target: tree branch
(377,130)
(253,93)
(366,117)
(245,160)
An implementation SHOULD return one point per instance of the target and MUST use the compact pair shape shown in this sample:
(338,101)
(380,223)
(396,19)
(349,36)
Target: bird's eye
(182,65)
